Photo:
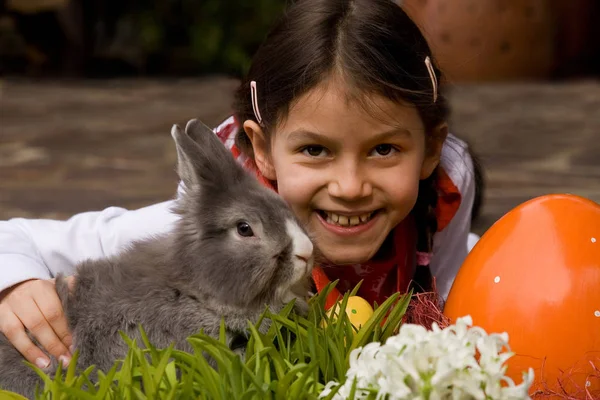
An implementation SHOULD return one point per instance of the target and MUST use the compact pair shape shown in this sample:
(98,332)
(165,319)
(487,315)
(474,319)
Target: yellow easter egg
(358,311)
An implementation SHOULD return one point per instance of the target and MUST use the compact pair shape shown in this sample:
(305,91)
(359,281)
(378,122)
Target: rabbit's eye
(244,229)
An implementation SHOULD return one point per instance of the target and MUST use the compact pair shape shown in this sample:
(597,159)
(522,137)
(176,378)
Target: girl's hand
(35,305)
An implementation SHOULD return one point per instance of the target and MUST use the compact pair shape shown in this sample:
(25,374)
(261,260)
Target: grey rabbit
(235,249)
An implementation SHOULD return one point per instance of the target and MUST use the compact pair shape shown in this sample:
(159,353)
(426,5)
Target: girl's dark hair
(372,45)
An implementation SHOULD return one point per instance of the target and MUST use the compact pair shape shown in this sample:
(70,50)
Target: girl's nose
(349,184)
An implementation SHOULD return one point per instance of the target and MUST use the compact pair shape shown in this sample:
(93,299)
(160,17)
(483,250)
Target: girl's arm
(40,249)
(32,251)
(450,246)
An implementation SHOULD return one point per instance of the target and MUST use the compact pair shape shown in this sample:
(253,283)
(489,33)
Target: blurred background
(90,88)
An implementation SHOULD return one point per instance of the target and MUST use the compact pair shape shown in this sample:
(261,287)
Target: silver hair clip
(434,81)
(254,97)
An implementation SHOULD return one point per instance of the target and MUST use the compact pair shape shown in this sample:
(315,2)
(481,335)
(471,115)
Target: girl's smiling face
(349,175)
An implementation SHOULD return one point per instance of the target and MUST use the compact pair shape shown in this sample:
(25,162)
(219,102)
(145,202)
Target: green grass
(293,360)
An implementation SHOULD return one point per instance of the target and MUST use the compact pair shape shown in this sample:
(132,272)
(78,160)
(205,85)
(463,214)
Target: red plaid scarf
(381,277)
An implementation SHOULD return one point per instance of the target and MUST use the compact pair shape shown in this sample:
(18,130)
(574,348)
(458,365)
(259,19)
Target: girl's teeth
(344,220)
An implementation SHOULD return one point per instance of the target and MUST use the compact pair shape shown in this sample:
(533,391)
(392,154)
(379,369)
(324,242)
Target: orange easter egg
(535,274)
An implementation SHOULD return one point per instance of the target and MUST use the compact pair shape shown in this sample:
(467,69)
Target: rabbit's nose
(303,248)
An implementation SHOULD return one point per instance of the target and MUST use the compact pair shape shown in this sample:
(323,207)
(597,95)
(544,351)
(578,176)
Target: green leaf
(78,393)
(144,369)
(161,367)
(10,395)
(105,381)
(147,344)
(352,393)
(298,389)
(71,370)
(223,332)
(283,386)
(392,324)
(362,336)
(337,357)
(210,378)
(125,374)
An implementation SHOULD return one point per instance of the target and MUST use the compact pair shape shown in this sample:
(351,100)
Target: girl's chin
(349,248)
(345,256)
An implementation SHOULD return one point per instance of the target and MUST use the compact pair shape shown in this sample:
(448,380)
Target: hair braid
(426,220)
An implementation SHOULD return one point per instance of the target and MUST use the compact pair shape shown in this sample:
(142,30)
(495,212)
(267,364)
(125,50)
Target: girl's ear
(261,148)
(433,149)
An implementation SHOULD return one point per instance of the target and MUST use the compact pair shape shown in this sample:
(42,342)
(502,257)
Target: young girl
(341,113)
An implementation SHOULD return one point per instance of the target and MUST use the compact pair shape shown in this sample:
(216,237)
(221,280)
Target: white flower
(458,362)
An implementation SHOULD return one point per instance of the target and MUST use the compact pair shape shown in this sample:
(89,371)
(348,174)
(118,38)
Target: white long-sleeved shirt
(41,248)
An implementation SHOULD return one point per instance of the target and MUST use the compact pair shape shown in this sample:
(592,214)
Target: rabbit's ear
(202,158)
(184,146)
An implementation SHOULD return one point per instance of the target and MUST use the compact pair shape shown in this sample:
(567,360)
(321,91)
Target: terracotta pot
(488,40)
(575,44)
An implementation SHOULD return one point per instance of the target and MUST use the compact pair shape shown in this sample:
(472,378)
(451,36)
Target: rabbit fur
(235,249)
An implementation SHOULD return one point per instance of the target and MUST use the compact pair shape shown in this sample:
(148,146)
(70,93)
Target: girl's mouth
(346,221)
(348,225)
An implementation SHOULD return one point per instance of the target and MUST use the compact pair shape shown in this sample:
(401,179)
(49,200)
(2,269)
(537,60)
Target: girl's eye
(244,229)
(384,149)
(314,151)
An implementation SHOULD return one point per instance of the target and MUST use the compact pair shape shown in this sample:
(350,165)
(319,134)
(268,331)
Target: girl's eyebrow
(395,133)
(302,135)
